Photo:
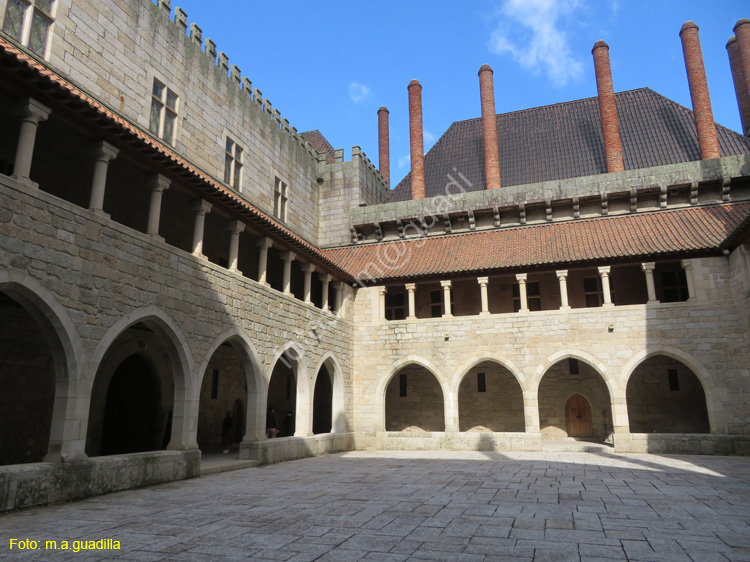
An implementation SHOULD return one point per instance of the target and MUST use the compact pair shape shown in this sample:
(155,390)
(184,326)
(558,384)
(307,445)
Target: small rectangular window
(436,304)
(533,297)
(481,383)
(674,380)
(289,386)
(29,22)
(573,366)
(233,165)
(395,306)
(280,197)
(215,384)
(674,286)
(402,384)
(164,108)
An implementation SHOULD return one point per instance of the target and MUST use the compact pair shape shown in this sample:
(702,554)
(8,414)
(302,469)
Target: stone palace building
(173,249)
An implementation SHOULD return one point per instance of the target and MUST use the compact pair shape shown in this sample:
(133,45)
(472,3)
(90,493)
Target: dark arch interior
(323,402)
(490,399)
(28,382)
(414,401)
(282,395)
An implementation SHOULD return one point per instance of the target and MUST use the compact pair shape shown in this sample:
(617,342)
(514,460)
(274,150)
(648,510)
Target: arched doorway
(665,396)
(323,402)
(571,388)
(282,394)
(27,380)
(414,401)
(490,399)
(133,395)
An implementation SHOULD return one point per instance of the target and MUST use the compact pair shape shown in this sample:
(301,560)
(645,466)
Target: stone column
(200,207)
(381,302)
(308,269)
(325,278)
(648,269)
(483,282)
(562,276)
(446,285)
(451,413)
(687,265)
(521,278)
(32,113)
(158,184)
(263,245)
(338,293)
(103,153)
(288,258)
(531,411)
(604,273)
(235,229)
(410,289)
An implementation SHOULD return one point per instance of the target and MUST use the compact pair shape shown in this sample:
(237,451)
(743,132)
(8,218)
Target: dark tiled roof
(679,232)
(565,141)
(319,143)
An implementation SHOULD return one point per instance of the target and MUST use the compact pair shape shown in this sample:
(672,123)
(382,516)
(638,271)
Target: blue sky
(331,66)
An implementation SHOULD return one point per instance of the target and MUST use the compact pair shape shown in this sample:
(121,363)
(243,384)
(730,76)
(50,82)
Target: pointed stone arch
(291,360)
(339,419)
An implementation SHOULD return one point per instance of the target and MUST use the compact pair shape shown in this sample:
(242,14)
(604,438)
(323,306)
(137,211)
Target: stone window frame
(32,14)
(280,198)
(437,303)
(392,308)
(533,296)
(598,293)
(165,104)
(233,163)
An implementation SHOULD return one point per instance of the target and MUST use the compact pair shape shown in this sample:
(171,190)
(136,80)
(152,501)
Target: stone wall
(499,407)
(422,407)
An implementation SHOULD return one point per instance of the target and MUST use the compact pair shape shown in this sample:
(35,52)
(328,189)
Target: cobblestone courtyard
(383,505)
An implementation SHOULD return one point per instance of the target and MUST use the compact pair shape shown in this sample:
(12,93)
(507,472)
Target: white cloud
(429,138)
(358,92)
(531,32)
(404,161)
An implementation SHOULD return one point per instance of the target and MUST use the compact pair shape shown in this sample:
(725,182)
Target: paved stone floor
(382,505)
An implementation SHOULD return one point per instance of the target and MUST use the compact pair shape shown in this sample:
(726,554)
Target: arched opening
(665,396)
(323,402)
(131,413)
(133,395)
(27,380)
(574,402)
(490,399)
(281,408)
(223,390)
(414,401)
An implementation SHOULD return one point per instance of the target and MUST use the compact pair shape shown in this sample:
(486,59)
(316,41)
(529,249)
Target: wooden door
(578,417)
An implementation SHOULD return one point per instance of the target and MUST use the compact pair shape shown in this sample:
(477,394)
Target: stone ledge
(282,449)
(682,443)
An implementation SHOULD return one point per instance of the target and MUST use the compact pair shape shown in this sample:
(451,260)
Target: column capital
(411,287)
(382,290)
(288,256)
(446,284)
(201,206)
(686,264)
(521,277)
(307,267)
(32,110)
(562,273)
(483,280)
(103,151)
(236,226)
(604,270)
(264,242)
(338,285)
(158,182)
(648,266)
(324,277)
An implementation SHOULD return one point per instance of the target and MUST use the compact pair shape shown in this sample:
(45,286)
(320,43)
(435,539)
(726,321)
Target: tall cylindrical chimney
(384,146)
(740,84)
(742,32)
(416,140)
(607,108)
(489,128)
(704,117)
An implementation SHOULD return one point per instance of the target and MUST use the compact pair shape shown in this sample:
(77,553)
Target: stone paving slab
(418,505)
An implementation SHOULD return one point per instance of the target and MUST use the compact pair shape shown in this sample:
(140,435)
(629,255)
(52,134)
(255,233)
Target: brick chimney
(384,146)
(740,84)
(607,108)
(489,128)
(416,140)
(704,117)
(742,33)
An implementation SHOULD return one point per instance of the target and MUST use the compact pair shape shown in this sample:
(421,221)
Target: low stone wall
(28,485)
(682,444)
(438,440)
(290,448)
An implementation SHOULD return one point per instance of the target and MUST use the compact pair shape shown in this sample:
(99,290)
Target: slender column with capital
(446,285)
(483,281)
(410,289)
(307,269)
(648,269)
(200,207)
(325,278)
(521,278)
(604,273)
(381,302)
(287,258)
(562,276)
(103,153)
(687,265)
(32,113)
(158,184)
(235,229)
(338,296)
(263,245)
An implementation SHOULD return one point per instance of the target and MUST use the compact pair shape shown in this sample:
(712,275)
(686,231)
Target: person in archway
(226,432)
(272,424)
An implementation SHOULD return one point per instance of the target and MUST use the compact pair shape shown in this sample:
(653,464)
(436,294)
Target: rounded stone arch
(340,422)
(303,398)
(179,357)
(501,408)
(66,348)
(255,380)
(704,377)
(384,382)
